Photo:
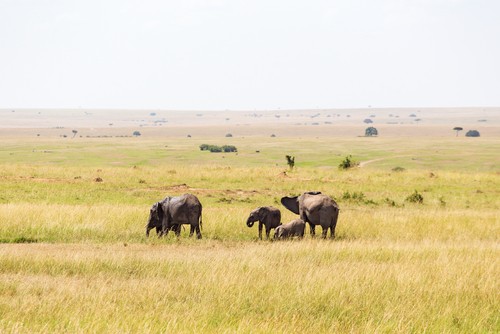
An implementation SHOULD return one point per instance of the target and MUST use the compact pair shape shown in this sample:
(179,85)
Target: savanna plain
(416,247)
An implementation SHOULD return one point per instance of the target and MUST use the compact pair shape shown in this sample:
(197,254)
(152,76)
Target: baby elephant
(267,216)
(294,228)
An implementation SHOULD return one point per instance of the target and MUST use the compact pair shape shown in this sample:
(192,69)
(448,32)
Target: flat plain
(77,185)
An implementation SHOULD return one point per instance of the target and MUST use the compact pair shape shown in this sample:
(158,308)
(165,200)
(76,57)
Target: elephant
(294,228)
(314,208)
(268,216)
(172,212)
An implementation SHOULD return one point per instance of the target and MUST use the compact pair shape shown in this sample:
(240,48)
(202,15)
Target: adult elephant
(267,216)
(316,209)
(172,212)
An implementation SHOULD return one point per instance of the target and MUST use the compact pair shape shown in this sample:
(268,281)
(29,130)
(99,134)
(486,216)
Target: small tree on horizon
(457,129)
(371,131)
(74,133)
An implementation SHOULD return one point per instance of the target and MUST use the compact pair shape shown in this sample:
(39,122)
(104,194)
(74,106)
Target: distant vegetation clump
(398,169)
(218,149)
(348,163)
(136,134)
(458,129)
(290,160)
(229,135)
(415,198)
(472,133)
(371,131)
(368,121)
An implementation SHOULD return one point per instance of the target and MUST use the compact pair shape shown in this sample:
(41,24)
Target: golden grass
(74,256)
(309,286)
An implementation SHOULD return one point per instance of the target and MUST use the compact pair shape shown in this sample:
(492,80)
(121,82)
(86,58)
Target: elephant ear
(161,209)
(291,203)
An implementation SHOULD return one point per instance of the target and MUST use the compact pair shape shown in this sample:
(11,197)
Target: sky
(249,55)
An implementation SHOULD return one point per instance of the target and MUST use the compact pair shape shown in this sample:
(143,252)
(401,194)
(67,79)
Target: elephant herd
(313,208)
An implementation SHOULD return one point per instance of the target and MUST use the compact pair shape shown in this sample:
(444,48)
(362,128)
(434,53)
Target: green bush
(415,198)
(217,149)
(348,163)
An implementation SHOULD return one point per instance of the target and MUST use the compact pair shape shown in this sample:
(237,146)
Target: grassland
(74,258)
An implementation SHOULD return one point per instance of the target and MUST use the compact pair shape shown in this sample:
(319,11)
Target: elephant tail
(201,223)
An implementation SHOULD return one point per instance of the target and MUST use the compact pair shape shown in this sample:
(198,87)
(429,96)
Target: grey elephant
(267,216)
(295,228)
(172,212)
(314,208)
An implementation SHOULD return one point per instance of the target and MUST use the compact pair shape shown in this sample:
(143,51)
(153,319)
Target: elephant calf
(294,228)
(267,216)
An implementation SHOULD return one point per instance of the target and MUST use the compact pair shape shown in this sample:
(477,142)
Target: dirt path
(364,163)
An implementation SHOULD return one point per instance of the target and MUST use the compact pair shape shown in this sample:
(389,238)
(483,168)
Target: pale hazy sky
(259,54)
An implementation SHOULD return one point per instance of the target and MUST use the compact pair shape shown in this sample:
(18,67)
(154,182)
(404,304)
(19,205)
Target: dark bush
(216,149)
(472,133)
(371,131)
(415,198)
(348,163)
(229,148)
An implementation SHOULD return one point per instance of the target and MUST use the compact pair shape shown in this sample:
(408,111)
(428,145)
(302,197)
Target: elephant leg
(177,230)
(268,232)
(158,231)
(191,231)
(198,232)
(324,232)
(313,229)
(260,231)
(332,232)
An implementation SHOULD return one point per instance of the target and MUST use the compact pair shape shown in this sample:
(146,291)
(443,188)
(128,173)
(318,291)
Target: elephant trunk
(250,222)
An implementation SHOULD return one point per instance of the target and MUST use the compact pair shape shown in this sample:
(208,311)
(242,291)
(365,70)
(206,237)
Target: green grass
(74,256)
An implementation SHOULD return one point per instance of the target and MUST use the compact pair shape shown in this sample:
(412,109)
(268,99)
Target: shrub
(136,134)
(290,161)
(216,149)
(229,148)
(348,163)
(229,135)
(472,133)
(371,131)
(398,169)
(415,198)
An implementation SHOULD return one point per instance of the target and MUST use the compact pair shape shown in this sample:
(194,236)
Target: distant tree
(74,133)
(472,133)
(229,135)
(152,114)
(368,121)
(457,129)
(290,161)
(273,135)
(136,134)
(371,131)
